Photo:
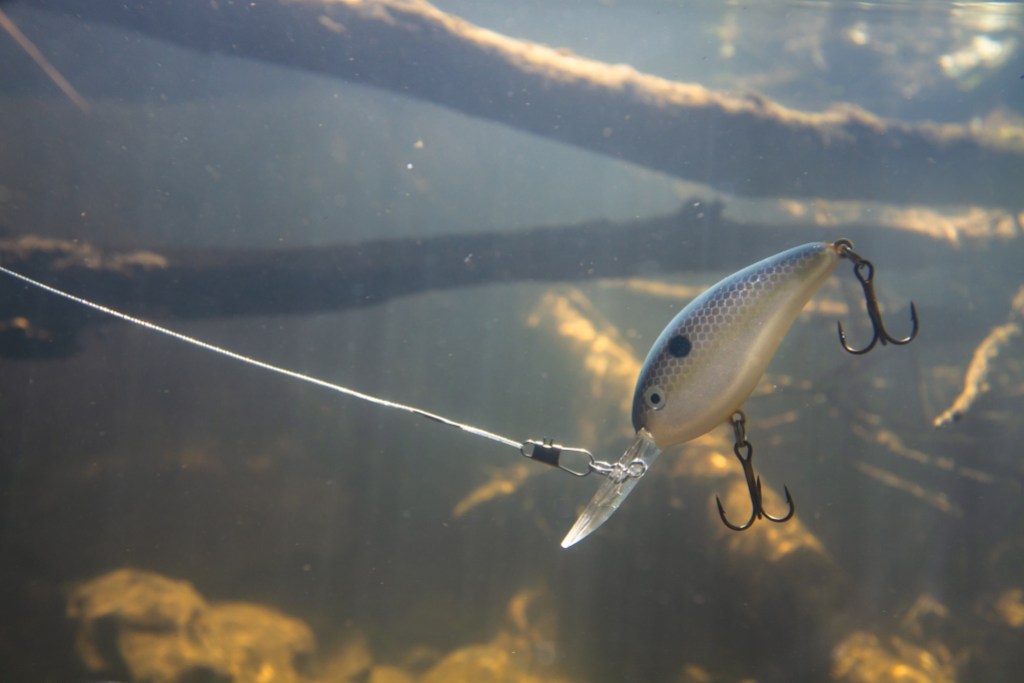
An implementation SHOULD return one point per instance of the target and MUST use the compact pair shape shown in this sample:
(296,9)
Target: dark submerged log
(747,145)
(188,284)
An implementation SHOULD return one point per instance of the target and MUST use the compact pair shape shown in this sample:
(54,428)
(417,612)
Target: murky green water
(167,514)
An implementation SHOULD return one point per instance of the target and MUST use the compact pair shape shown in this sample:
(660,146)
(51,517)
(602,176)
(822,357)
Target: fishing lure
(699,371)
(708,360)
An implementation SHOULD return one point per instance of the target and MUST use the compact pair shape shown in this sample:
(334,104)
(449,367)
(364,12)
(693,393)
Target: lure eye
(654,397)
(679,346)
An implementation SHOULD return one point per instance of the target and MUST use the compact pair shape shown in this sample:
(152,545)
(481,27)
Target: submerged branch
(188,284)
(976,379)
(42,62)
(749,145)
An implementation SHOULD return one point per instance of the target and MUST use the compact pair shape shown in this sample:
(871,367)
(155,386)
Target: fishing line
(518,445)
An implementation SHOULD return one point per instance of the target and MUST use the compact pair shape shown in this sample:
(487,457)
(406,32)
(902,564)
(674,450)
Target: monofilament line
(265,366)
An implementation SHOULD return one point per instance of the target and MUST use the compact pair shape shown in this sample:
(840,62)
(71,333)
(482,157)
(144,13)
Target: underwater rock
(1010,607)
(864,658)
(152,628)
(523,651)
(495,662)
(116,608)
(351,661)
(388,674)
(253,642)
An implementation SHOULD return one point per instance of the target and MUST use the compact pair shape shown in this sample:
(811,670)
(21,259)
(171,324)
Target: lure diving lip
(624,475)
(707,361)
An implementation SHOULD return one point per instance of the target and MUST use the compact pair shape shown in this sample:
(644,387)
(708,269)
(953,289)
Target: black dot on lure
(679,346)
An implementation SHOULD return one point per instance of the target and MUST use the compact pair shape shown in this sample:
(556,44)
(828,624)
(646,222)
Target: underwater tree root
(682,129)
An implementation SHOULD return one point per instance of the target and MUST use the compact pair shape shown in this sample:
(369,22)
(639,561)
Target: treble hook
(738,422)
(865,272)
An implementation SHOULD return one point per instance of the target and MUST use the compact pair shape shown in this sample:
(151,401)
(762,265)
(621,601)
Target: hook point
(789,515)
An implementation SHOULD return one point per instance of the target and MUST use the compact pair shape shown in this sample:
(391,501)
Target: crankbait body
(707,361)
